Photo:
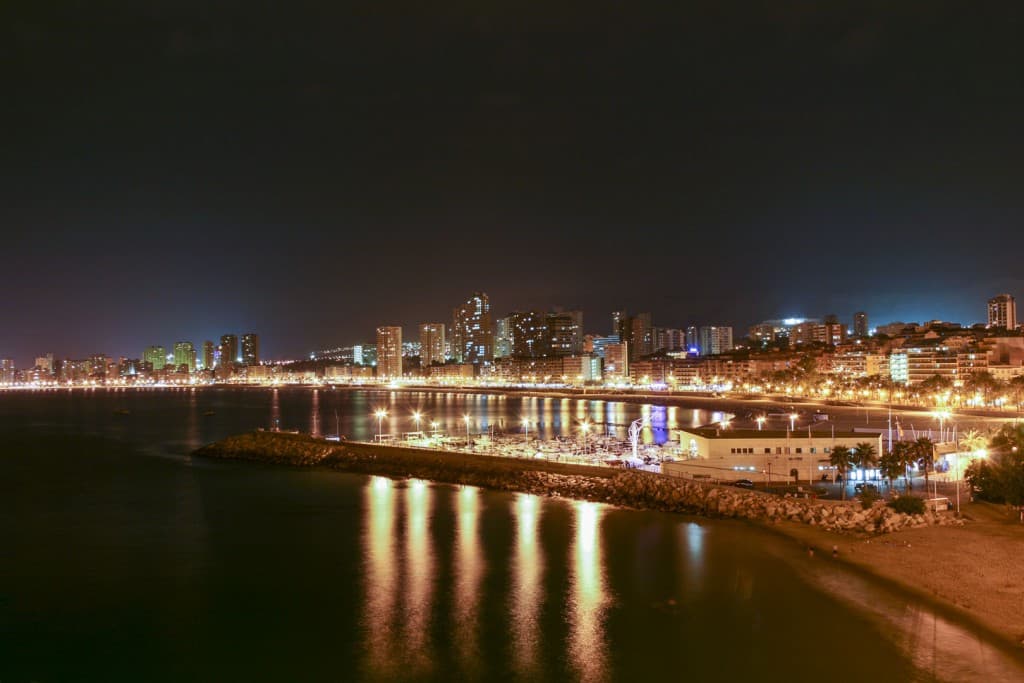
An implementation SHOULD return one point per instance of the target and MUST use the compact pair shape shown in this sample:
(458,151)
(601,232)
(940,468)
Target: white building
(769,455)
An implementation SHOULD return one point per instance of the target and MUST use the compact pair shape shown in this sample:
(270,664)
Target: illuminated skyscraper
(715,340)
(472,330)
(228,349)
(251,349)
(7,371)
(503,337)
(156,356)
(431,344)
(208,357)
(860,324)
(185,354)
(1002,312)
(389,352)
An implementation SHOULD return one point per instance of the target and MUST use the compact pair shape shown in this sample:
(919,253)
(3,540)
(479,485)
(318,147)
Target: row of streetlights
(417,417)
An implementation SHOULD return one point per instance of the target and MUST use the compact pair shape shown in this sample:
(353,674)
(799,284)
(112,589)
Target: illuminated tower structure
(208,357)
(860,324)
(156,357)
(1002,312)
(389,352)
(431,344)
(251,349)
(228,349)
(473,331)
(185,354)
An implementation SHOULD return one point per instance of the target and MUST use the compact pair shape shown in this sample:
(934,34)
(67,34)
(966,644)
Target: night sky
(311,170)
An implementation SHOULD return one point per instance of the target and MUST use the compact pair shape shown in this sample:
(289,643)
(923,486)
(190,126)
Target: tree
(924,455)
(865,456)
(840,459)
(892,466)
(903,453)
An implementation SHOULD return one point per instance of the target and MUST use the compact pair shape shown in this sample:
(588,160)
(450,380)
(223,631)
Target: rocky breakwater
(627,488)
(640,489)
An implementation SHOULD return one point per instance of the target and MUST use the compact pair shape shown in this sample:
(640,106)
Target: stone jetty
(636,489)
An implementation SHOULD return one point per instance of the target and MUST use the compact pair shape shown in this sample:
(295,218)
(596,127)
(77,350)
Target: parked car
(863,486)
(743,483)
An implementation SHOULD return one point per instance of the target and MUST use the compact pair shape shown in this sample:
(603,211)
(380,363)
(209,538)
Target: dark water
(123,559)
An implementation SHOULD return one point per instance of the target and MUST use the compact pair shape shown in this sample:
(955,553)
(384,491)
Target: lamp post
(417,417)
(760,422)
(433,428)
(585,427)
(526,428)
(466,419)
(381,414)
(792,421)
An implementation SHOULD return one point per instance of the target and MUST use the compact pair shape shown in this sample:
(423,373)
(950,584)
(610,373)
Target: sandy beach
(974,569)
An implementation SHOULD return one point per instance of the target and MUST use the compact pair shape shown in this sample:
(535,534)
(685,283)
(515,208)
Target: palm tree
(924,453)
(892,466)
(865,456)
(840,459)
(903,453)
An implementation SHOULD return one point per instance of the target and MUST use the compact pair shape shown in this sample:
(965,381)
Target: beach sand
(977,568)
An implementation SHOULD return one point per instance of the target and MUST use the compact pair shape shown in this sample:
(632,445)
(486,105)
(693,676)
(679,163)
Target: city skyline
(249,352)
(216,180)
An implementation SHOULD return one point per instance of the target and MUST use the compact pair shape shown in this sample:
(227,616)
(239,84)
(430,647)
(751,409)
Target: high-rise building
(208,357)
(636,332)
(228,349)
(7,371)
(251,349)
(617,317)
(156,356)
(431,344)
(389,352)
(185,354)
(472,330)
(565,333)
(692,339)
(715,340)
(529,334)
(616,361)
(1002,312)
(44,364)
(860,324)
(503,337)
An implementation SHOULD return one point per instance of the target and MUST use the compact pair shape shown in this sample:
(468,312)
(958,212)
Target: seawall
(627,488)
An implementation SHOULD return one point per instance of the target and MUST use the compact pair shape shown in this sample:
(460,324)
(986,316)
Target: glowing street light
(585,427)
(417,417)
(380,414)
(526,427)
(760,422)
(433,428)
(792,421)
(466,419)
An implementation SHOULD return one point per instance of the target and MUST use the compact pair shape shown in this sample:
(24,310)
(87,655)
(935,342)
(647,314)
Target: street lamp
(792,421)
(417,417)
(585,427)
(526,427)
(466,419)
(381,414)
(433,428)
(760,422)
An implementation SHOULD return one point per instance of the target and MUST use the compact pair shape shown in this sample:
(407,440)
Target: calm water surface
(124,559)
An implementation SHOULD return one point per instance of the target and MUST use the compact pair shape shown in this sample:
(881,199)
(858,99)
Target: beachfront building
(389,352)
(768,455)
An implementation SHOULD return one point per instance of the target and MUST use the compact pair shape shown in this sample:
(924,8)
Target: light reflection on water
(381,576)
(468,574)
(587,597)
(527,590)
(419,566)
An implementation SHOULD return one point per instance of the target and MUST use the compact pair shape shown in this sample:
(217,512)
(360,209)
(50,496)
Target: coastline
(967,572)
